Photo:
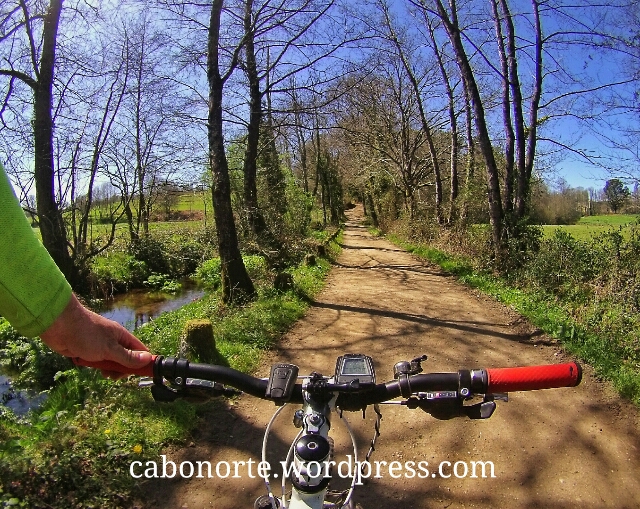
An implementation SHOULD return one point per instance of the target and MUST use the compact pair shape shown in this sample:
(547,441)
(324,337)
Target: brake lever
(193,389)
(164,394)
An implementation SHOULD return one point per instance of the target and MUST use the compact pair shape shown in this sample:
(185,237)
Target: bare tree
(81,142)
(281,41)
(236,284)
(451,25)
(381,117)
(416,86)
(529,100)
(620,131)
(150,144)
(453,118)
(33,62)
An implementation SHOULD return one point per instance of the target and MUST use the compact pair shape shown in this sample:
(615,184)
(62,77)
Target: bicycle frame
(312,472)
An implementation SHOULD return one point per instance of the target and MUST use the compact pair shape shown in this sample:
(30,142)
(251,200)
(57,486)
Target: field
(591,225)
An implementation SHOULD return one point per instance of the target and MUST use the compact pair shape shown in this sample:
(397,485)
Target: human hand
(79,332)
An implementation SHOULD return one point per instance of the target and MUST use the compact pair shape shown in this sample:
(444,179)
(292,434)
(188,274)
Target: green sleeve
(33,291)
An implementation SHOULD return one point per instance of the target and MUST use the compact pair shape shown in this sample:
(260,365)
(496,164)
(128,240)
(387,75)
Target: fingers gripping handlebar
(114,367)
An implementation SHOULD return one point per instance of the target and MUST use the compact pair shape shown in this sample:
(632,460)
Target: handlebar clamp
(405,385)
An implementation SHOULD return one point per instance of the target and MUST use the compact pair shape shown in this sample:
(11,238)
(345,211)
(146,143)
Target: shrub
(116,272)
(256,266)
(297,218)
(150,250)
(598,281)
(173,253)
(209,272)
(31,363)
(561,261)
(162,282)
(618,257)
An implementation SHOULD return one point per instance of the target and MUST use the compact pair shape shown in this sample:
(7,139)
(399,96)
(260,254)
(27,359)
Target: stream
(137,307)
(131,309)
(19,401)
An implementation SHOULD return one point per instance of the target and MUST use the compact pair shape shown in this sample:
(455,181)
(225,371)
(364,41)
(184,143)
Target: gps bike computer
(354,366)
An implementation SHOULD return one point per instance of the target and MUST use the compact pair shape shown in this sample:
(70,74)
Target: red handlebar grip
(146,370)
(534,377)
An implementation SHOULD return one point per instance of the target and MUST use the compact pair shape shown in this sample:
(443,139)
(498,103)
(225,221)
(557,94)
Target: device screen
(355,367)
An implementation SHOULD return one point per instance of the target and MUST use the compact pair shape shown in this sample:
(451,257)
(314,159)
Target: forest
(450,113)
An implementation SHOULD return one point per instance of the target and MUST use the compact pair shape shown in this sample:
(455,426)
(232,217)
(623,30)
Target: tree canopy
(441,110)
(617,194)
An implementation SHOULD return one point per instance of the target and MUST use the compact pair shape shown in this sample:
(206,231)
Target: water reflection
(137,307)
(20,402)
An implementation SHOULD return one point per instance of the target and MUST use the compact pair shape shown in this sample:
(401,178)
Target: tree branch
(25,78)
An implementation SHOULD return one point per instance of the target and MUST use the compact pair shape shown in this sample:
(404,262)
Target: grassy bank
(603,334)
(75,451)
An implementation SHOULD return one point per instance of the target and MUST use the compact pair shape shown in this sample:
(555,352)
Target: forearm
(37,300)
(33,291)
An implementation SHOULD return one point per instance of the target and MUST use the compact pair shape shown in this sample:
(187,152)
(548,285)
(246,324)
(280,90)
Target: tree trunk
(524,178)
(496,214)
(236,284)
(133,233)
(317,149)
(143,217)
(301,142)
(507,195)
(425,124)
(453,195)
(250,168)
(372,209)
(52,228)
(470,158)
(276,183)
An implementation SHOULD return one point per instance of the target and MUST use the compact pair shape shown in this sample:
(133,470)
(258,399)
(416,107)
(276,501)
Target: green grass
(545,312)
(589,226)
(76,450)
(609,220)
(122,230)
(183,202)
(193,202)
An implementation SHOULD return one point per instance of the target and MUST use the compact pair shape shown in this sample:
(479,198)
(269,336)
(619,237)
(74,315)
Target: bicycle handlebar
(477,381)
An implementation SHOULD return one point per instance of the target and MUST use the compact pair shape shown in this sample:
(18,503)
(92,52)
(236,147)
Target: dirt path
(559,448)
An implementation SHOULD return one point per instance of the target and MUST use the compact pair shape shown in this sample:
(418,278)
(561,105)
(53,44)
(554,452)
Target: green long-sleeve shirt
(33,291)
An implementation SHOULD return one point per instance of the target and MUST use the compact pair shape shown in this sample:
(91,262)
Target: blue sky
(575,60)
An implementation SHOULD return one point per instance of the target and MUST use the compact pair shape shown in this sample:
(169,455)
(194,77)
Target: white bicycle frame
(315,422)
